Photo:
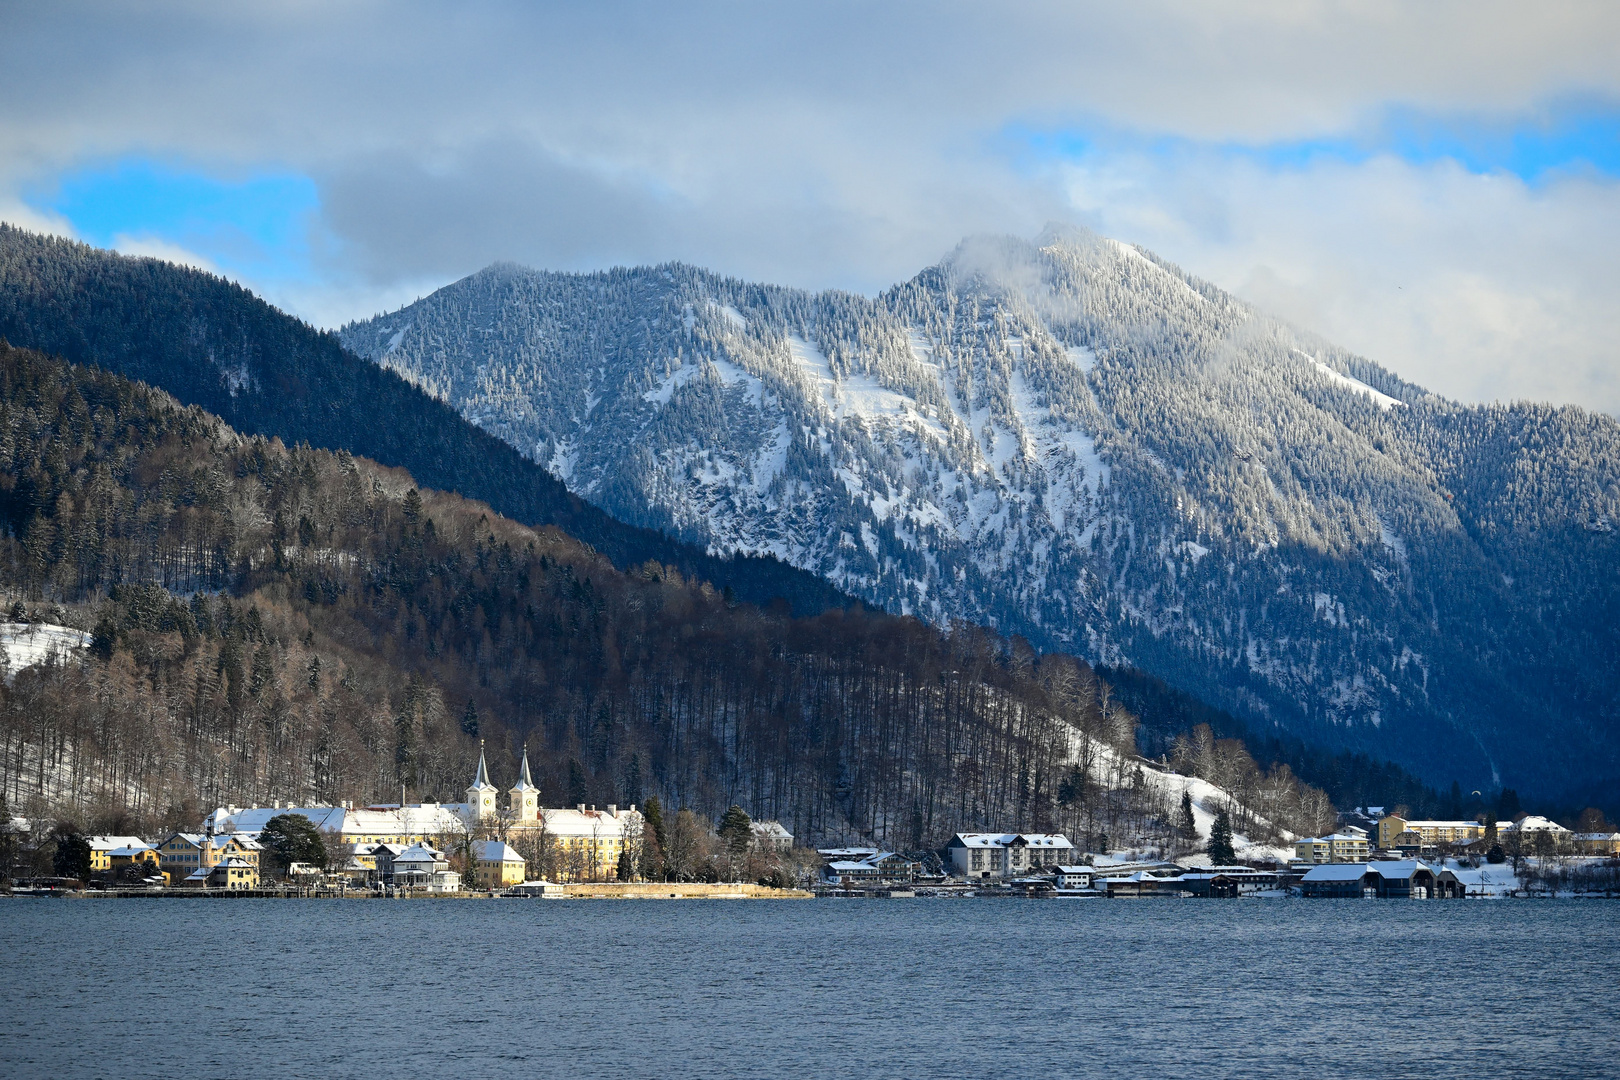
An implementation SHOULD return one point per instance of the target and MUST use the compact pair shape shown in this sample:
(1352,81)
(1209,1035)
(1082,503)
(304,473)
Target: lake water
(824,988)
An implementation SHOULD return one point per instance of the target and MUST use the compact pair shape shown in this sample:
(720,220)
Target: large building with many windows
(585,843)
(1004,855)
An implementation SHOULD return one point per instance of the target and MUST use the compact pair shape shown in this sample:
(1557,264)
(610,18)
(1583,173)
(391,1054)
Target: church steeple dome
(481,796)
(524,796)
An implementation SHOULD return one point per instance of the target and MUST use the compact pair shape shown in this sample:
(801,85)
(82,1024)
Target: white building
(1007,855)
(587,841)
(771,836)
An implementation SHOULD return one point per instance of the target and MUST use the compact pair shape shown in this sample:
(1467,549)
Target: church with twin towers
(587,840)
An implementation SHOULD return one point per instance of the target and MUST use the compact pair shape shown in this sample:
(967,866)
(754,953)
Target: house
(846,854)
(419,866)
(1398,833)
(884,867)
(1342,847)
(1073,877)
(228,873)
(1598,843)
(102,847)
(182,853)
(771,836)
(1534,831)
(497,864)
(1007,855)
(140,860)
(232,872)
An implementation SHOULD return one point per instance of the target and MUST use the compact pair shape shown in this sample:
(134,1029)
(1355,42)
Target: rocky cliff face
(1072,440)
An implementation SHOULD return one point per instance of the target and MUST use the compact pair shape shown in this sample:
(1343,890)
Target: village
(483,848)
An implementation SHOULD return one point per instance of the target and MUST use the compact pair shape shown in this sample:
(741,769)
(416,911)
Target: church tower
(524,797)
(481,796)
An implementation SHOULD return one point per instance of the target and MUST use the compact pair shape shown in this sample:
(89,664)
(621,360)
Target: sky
(1435,186)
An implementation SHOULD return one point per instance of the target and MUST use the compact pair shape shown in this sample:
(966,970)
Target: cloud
(848,144)
(158,248)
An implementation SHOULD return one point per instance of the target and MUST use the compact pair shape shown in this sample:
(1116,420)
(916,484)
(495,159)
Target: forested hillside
(213,344)
(1072,440)
(275,623)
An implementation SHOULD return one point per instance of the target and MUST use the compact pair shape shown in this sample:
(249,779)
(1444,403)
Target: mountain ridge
(1053,438)
(214,344)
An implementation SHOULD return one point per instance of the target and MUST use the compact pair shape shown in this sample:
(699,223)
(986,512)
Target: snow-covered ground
(27,644)
(1207,800)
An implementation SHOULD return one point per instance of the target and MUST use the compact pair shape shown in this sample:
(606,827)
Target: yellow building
(1596,843)
(585,841)
(182,854)
(102,847)
(1392,832)
(1338,848)
(497,865)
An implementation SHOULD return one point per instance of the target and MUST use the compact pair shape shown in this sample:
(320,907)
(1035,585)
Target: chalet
(1007,855)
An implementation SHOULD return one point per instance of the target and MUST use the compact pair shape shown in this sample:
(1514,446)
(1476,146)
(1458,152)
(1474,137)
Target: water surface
(826,988)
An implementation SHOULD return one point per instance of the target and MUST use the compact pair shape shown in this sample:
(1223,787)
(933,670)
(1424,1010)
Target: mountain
(273,623)
(213,344)
(1075,441)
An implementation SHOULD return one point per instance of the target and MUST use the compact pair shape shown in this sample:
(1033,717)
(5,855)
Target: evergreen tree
(72,858)
(469,719)
(577,789)
(736,829)
(291,838)
(653,815)
(1189,824)
(627,864)
(1221,852)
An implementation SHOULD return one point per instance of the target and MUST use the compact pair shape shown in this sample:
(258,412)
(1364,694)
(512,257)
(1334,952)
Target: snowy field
(23,645)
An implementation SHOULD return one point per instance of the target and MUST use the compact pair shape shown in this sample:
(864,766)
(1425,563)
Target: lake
(754,988)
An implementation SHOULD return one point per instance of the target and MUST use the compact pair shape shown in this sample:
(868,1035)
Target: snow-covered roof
(1336,872)
(846,866)
(494,851)
(1535,823)
(599,824)
(128,852)
(846,852)
(770,829)
(418,853)
(1399,868)
(1075,870)
(996,841)
(109,843)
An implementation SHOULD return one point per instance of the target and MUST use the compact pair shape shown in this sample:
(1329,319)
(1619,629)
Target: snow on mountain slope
(1074,441)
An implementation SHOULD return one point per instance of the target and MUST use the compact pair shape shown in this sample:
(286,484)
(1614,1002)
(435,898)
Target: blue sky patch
(1568,139)
(258,226)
